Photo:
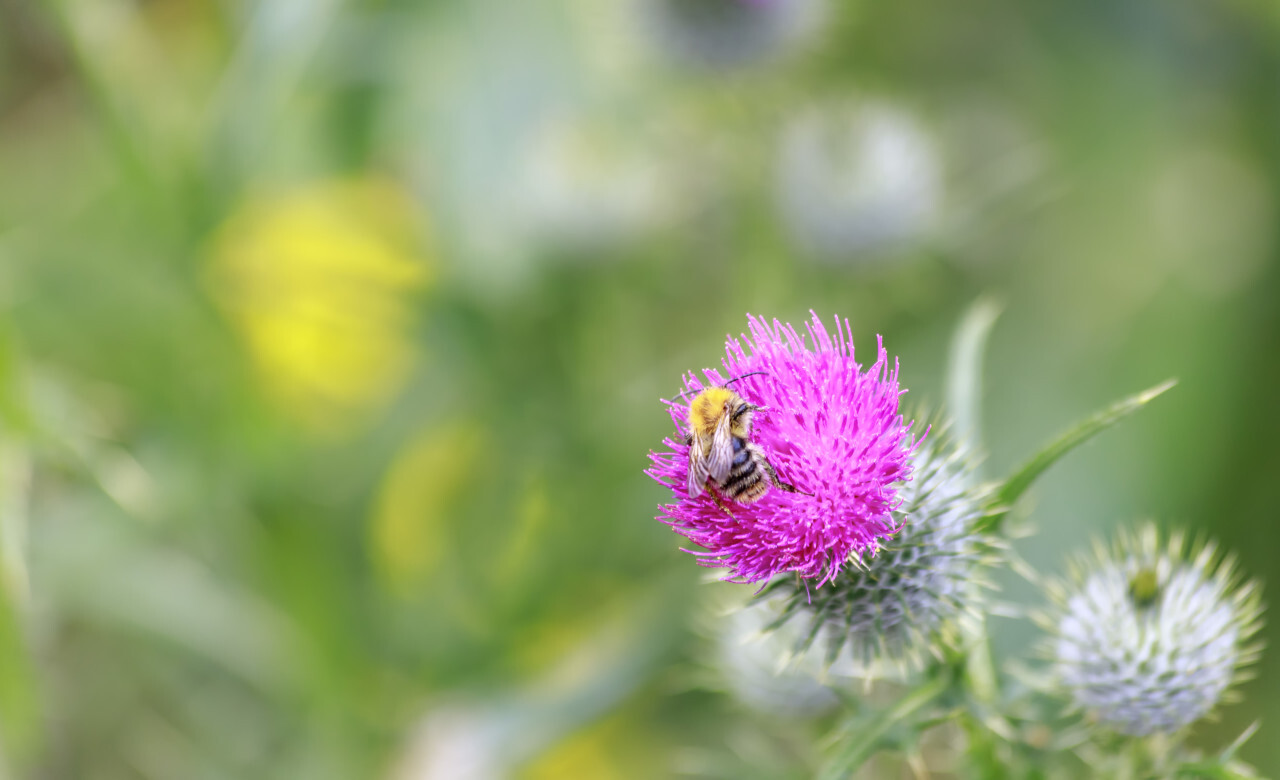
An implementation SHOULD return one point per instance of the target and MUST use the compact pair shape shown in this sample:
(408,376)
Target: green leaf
(980,668)
(1022,479)
(964,369)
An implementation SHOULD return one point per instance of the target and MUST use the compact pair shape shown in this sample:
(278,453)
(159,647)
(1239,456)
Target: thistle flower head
(830,429)
(1149,638)
(890,608)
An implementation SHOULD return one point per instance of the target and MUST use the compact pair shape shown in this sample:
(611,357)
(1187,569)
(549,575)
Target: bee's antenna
(683,393)
(743,376)
(686,391)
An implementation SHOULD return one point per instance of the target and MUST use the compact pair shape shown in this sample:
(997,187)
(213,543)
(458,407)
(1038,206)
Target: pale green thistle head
(762,669)
(1149,638)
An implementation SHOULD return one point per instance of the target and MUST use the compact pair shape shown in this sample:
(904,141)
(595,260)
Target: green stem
(981,748)
(869,734)
(980,668)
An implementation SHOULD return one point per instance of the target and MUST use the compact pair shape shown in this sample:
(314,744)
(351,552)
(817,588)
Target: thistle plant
(879,561)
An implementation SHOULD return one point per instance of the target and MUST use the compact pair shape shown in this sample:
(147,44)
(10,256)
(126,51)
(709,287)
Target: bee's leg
(719,502)
(777,481)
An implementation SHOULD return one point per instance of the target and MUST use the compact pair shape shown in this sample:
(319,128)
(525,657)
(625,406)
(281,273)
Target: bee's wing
(720,459)
(697,468)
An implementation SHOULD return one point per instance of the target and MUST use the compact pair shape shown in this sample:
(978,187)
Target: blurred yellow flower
(593,751)
(319,282)
(410,526)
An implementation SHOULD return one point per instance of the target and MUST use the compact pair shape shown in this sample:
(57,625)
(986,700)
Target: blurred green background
(332,333)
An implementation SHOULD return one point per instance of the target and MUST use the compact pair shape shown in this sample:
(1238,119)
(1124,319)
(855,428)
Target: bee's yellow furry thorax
(710,405)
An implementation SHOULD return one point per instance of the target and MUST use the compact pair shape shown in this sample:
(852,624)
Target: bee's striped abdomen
(745,483)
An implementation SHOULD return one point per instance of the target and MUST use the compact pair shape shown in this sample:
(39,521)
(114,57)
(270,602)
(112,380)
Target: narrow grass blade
(1230,751)
(964,369)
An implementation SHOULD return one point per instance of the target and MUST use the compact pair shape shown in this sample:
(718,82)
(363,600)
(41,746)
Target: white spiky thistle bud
(1148,638)
(895,605)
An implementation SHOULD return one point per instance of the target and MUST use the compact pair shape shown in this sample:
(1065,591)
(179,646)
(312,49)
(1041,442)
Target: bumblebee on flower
(722,457)
(831,438)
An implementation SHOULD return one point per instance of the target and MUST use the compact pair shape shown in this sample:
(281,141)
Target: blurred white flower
(584,186)
(762,670)
(456,742)
(857,179)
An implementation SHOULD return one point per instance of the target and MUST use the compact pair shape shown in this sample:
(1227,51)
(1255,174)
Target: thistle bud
(761,668)
(897,603)
(1149,638)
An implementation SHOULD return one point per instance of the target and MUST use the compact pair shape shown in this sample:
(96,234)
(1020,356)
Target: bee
(721,451)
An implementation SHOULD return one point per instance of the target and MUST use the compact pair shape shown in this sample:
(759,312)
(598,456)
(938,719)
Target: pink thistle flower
(829,428)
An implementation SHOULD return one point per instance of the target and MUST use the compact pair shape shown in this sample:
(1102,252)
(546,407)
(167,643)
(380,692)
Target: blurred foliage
(331,333)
